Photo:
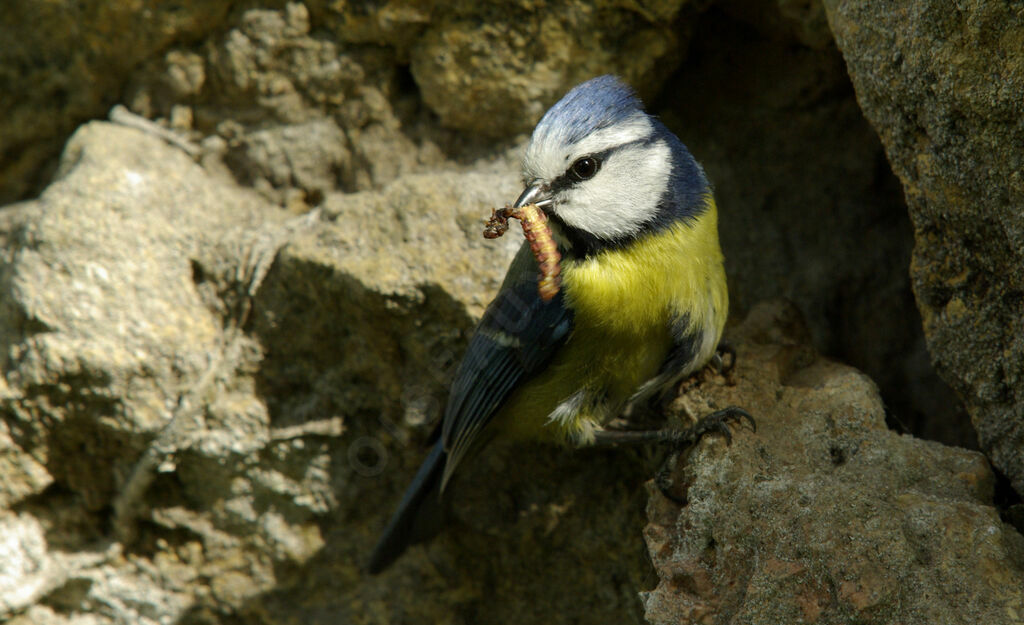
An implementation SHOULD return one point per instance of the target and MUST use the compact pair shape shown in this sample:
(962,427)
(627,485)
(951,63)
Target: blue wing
(516,338)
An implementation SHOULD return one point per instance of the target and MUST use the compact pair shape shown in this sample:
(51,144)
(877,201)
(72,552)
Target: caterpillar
(542,243)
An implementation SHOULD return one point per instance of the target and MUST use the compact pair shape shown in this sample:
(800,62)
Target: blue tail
(418,516)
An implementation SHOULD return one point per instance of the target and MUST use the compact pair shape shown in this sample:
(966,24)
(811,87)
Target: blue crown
(598,103)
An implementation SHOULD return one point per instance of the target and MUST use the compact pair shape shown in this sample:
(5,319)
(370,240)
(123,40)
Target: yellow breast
(678,270)
(624,303)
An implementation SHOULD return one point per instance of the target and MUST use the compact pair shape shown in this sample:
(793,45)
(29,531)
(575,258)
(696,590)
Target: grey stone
(117,336)
(942,86)
(824,515)
(67,61)
(495,69)
(211,404)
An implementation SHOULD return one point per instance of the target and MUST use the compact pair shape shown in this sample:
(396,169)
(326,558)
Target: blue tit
(642,304)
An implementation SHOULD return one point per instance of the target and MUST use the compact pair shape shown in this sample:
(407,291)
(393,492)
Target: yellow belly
(624,303)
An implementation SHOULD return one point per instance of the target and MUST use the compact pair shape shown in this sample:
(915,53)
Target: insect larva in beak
(538,235)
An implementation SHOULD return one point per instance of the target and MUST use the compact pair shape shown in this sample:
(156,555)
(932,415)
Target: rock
(132,387)
(808,208)
(369,105)
(824,515)
(366,316)
(942,88)
(230,400)
(308,98)
(274,79)
(210,405)
(296,110)
(493,70)
(306,156)
(111,322)
(125,370)
(64,62)
(27,573)
(22,475)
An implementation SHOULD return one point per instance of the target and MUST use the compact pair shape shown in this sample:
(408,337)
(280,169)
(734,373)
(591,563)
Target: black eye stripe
(566,180)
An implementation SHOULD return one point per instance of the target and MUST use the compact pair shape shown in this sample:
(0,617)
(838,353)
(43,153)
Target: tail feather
(418,515)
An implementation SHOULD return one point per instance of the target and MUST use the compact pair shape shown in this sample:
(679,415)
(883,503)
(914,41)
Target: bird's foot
(716,422)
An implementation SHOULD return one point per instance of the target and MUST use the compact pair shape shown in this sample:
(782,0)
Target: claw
(717,422)
(740,414)
(725,349)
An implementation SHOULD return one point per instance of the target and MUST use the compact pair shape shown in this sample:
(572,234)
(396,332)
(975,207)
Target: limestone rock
(229,400)
(202,377)
(808,208)
(302,99)
(824,515)
(64,62)
(368,312)
(942,88)
(105,321)
(210,405)
(22,475)
(367,315)
(495,69)
(125,283)
(27,571)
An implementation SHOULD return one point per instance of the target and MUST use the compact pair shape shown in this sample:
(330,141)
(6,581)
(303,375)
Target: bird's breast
(626,303)
(675,271)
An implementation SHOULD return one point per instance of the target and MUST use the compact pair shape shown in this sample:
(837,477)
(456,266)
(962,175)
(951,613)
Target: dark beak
(536,193)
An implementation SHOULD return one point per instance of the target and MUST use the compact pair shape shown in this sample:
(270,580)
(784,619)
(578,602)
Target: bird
(642,304)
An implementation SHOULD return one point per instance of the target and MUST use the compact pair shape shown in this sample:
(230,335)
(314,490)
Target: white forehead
(549,154)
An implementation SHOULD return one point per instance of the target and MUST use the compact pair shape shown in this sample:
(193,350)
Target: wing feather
(517,336)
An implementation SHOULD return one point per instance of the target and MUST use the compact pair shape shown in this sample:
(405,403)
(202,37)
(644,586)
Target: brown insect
(538,235)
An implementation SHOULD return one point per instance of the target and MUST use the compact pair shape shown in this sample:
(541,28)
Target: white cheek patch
(624,194)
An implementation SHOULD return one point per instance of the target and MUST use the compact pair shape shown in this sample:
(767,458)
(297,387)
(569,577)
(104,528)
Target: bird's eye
(584,168)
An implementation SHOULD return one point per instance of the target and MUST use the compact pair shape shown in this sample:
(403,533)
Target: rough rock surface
(65,61)
(824,515)
(302,99)
(353,114)
(495,69)
(366,316)
(809,212)
(242,468)
(222,432)
(943,88)
(355,100)
(225,338)
(120,364)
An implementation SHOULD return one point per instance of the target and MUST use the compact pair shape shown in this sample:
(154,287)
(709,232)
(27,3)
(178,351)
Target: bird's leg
(717,421)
